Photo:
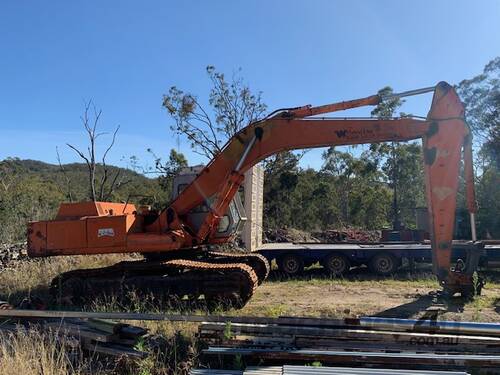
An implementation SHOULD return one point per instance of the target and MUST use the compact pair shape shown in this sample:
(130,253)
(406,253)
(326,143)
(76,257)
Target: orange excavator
(177,241)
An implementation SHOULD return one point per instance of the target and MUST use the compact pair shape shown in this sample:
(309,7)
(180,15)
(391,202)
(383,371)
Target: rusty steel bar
(47,314)
(344,357)
(491,329)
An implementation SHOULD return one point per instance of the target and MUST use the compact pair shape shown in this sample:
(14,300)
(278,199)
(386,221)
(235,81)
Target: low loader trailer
(382,258)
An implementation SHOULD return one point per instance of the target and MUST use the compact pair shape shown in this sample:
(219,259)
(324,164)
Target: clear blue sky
(126,54)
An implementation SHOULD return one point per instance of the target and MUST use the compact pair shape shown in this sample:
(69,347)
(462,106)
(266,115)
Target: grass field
(175,346)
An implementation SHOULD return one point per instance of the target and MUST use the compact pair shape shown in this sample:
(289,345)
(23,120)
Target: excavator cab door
(232,223)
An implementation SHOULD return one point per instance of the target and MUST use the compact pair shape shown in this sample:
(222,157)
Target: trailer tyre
(291,264)
(337,264)
(384,264)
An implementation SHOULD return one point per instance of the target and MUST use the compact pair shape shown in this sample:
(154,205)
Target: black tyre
(291,264)
(384,264)
(336,264)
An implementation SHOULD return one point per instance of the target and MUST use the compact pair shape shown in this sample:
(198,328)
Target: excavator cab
(230,224)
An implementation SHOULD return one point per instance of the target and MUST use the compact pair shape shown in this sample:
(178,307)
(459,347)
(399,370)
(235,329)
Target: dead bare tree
(102,182)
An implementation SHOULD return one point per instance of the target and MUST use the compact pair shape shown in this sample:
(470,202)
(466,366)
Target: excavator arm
(445,137)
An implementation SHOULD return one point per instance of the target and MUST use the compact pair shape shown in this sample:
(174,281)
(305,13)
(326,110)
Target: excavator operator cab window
(224,224)
(234,220)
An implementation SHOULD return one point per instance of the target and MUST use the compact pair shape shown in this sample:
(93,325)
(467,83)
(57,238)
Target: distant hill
(74,177)
(37,166)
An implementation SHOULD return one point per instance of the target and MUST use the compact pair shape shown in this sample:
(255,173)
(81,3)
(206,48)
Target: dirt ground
(362,294)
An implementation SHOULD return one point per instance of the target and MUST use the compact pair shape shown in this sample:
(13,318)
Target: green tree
(280,179)
(362,197)
(168,170)
(401,164)
(481,96)
(232,106)
(23,197)
(488,197)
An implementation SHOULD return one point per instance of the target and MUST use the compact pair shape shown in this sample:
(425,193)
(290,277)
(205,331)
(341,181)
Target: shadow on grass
(34,298)
(424,304)
(41,298)
(491,275)
(496,304)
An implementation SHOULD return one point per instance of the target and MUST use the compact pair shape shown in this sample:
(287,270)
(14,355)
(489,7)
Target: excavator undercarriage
(212,278)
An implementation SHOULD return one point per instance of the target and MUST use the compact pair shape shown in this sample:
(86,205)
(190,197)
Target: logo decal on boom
(341,133)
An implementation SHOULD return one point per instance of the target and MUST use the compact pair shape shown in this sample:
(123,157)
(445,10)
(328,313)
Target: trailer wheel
(336,264)
(291,264)
(384,264)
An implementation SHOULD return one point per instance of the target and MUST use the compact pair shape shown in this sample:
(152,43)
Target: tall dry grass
(25,278)
(30,352)
(34,352)
(172,347)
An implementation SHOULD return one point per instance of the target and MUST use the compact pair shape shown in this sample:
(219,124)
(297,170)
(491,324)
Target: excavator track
(257,261)
(231,284)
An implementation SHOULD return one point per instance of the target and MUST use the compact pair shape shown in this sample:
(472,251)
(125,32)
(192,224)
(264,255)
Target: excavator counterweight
(176,241)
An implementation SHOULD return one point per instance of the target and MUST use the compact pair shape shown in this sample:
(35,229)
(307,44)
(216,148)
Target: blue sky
(126,54)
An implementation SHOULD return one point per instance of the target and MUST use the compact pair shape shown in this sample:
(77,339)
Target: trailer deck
(383,258)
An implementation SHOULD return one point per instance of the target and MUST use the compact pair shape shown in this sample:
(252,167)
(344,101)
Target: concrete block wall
(254,206)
